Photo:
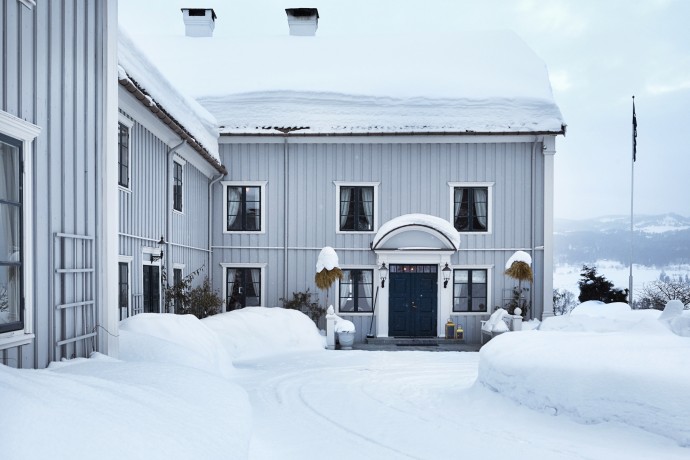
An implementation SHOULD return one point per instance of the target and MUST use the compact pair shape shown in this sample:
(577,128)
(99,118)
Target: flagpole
(632,189)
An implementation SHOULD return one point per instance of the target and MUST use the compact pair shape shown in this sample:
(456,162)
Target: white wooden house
(58,128)
(167,162)
(377,146)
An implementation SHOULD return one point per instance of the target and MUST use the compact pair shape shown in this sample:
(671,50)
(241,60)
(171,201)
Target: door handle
(414,305)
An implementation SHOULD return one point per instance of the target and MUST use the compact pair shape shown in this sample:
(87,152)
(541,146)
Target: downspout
(286,189)
(210,223)
(169,213)
(533,236)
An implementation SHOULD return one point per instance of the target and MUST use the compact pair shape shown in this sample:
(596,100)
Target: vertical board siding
(413,178)
(50,76)
(143,209)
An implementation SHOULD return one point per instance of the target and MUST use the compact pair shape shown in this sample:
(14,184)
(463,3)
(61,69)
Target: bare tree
(563,301)
(657,293)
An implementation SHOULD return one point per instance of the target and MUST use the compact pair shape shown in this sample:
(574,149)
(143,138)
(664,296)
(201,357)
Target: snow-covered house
(58,121)
(167,162)
(424,160)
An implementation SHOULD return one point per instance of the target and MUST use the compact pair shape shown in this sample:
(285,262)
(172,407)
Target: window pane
(478,276)
(9,233)
(461,276)
(460,305)
(253,193)
(234,208)
(9,295)
(478,304)
(9,172)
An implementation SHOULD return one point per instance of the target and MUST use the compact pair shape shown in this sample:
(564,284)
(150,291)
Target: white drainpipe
(210,223)
(169,213)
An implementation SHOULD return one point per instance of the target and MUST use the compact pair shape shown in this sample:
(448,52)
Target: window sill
(356,232)
(179,213)
(354,313)
(243,232)
(122,188)
(470,313)
(15,339)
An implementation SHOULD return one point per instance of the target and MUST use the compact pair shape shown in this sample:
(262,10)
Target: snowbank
(257,331)
(108,409)
(173,339)
(605,363)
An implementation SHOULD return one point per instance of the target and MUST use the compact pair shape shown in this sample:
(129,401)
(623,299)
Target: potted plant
(519,267)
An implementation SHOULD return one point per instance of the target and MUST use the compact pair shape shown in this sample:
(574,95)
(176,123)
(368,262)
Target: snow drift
(604,363)
(257,331)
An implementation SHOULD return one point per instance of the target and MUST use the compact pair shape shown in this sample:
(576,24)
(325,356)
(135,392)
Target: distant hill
(660,240)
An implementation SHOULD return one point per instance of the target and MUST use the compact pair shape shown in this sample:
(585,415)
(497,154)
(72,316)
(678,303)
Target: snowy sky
(599,54)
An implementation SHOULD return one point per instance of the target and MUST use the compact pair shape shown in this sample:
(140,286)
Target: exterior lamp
(154,257)
(383,274)
(446,275)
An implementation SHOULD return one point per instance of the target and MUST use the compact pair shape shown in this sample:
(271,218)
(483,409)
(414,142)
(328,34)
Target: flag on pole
(634,126)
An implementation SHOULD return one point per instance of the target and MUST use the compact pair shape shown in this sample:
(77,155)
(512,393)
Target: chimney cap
(200,12)
(302,12)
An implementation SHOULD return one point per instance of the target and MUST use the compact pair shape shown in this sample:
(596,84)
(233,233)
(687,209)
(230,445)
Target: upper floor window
(177,186)
(356,289)
(471,211)
(470,290)
(356,207)
(123,156)
(244,204)
(11,250)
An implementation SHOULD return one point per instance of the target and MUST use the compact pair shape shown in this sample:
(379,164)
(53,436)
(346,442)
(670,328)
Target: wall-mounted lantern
(154,257)
(446,275)
(383,274)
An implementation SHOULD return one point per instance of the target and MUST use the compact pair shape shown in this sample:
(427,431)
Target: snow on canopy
(407,220)
(519,256)
(328,259)
(134,65)
(484,82)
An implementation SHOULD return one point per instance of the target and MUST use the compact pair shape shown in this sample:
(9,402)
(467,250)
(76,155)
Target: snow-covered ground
(603,382)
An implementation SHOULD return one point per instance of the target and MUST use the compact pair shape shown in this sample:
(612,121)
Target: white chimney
(199,22)
(303,21)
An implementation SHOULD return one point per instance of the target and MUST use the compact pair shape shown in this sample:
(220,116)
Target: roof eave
(138,92)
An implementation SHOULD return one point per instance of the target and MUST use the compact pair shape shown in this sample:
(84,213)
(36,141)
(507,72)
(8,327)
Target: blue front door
(412,300)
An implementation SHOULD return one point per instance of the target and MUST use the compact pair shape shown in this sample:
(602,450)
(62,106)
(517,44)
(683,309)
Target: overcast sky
(599,54)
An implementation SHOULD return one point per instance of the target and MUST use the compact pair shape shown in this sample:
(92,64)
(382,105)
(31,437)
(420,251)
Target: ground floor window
(243,288)
(356,289)
(11,254)
(470,290)
(123,291)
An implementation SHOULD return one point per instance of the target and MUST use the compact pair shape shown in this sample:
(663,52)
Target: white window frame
(127,260)
(338,185)
(24,132)
(262,266)
(182,163)
(489,290)
(374,284)
(244,183)
(489,202)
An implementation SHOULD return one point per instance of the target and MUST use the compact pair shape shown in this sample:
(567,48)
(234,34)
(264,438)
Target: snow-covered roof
(477,82)
(135,67)
(410,221)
